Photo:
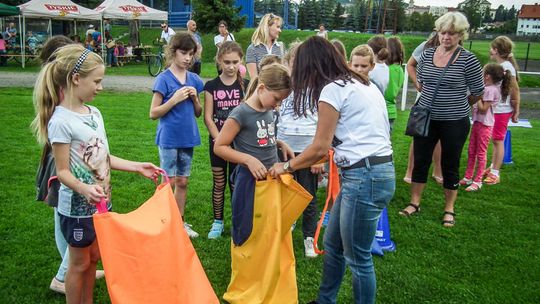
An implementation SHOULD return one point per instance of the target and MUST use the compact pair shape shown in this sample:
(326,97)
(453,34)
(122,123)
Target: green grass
(490,256)
(520,50)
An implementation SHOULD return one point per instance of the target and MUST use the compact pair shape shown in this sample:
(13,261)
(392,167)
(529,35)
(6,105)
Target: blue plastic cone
(376,248)
(383,233)
(508,148)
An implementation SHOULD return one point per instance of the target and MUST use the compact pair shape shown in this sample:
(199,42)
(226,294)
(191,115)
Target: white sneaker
(191,233)
(58,286)
(309,248)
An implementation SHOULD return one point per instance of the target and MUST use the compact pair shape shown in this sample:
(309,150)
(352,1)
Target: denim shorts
(176,162)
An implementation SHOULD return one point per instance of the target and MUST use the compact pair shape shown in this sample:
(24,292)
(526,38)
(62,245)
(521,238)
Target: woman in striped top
(264,42)
(461,85)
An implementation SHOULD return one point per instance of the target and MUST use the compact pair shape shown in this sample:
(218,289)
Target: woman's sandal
(449,223)
(438,179)
(404,212)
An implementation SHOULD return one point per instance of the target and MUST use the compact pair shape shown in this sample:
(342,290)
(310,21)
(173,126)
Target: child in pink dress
(497,83)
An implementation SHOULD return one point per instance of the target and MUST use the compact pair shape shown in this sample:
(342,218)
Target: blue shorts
(176,162)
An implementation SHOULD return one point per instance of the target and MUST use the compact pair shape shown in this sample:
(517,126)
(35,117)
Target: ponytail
(46,98)
(55,80)
(251,87)
(505,84)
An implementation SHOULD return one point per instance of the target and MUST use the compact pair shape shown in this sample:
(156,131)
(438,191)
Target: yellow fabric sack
(148,257)
(264,267)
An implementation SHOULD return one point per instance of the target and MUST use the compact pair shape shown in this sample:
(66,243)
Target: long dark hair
(499,75)
(316,64)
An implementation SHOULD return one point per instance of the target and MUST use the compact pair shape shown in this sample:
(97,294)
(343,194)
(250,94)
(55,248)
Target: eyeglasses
(163,26)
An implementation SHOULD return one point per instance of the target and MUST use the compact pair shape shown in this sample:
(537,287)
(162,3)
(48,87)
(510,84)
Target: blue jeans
(62,247)
(364,193)
(111,58)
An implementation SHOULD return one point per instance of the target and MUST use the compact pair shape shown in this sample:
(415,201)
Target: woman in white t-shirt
(223,36)
(501,52)
(322,31)
(353,120)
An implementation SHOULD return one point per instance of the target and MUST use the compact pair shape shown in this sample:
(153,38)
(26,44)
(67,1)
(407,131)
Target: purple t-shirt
(178,128)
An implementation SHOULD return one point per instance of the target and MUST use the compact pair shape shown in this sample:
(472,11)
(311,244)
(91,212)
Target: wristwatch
(287,167)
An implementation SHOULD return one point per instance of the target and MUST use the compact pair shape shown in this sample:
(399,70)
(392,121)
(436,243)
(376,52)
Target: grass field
(490,256)
(350,40)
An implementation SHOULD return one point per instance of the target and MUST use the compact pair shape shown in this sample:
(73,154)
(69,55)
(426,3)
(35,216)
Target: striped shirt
(462,78)
(255,53)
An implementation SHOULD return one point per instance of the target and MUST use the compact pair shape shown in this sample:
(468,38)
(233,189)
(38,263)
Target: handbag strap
(442,74)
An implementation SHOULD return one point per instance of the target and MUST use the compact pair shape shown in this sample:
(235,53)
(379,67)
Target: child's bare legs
(81,274)
(498,154)
(180,192)
(437,170)
(410,164)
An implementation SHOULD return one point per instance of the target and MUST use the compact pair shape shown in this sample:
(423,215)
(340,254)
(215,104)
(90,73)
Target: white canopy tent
(52,9)
(127,10)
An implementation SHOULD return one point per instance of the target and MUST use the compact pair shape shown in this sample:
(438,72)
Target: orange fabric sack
(264,267)
(148,257)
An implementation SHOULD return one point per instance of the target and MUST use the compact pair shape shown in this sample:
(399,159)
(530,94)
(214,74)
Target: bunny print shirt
(257,136)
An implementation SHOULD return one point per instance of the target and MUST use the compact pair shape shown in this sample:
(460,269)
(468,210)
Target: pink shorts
(500,126)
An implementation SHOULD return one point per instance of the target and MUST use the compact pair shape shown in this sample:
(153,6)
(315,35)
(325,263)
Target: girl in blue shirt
(176,103)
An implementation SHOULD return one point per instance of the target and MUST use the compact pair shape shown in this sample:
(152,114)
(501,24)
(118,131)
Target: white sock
(495,172)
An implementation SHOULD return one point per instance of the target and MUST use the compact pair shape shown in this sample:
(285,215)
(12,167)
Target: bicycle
(155,64)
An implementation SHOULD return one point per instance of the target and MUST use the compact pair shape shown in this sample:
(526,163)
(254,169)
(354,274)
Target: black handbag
(47,183)
(420,116)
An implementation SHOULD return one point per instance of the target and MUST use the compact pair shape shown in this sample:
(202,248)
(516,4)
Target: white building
(438,10)
(528,20)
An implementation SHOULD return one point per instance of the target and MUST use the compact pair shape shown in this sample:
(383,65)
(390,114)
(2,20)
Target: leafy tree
(512,13)
(337,20)
(471,9)
(499,14)
(208,13)
(487,16)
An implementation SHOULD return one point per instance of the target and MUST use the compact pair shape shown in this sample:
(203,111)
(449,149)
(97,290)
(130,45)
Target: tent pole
(22,41)
(102,41)
(75,21)
(50,28)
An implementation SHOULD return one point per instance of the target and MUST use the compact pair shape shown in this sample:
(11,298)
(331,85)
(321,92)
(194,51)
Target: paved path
(145,83)
(117,83)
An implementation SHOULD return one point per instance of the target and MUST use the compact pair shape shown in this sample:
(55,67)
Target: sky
(494,3)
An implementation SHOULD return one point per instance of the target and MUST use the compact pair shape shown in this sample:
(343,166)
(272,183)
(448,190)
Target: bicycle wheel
(154,65)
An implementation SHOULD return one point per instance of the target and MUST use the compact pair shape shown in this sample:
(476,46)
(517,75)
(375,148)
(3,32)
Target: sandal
(404,212)
(438,179)
(449,223)
(474,187)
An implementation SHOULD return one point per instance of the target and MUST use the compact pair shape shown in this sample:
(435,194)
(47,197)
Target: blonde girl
(66,84)
(362,60)
(251,129)
(221,96)
(176,104)
(264,42)
(507,108)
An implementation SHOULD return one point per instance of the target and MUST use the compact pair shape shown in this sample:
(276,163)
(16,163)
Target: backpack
(47,183)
